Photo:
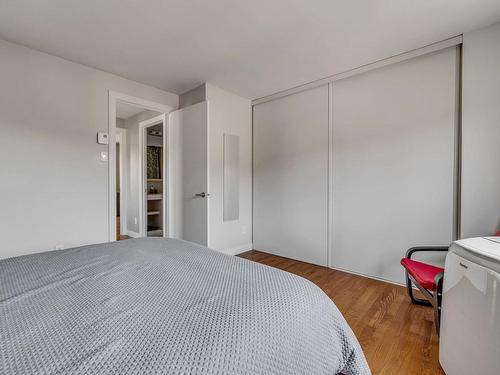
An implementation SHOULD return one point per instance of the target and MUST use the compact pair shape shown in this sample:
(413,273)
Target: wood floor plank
(397,336)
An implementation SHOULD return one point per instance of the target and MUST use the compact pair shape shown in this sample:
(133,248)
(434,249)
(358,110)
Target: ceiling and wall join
(250,48)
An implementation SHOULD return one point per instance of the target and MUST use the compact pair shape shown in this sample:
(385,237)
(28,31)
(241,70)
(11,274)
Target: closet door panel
(393,163)
(291,175)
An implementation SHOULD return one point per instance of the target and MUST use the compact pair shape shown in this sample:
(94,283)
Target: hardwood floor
(118,228)
(397,336)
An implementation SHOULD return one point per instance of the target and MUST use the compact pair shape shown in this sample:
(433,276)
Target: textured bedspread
(162,306)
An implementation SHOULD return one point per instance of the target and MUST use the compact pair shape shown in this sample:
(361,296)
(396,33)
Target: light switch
(104,156)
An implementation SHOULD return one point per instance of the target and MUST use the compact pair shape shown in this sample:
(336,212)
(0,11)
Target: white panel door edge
(189,173)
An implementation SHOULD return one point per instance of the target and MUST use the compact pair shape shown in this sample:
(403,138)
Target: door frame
(143,126)
(121,138)
(113,98)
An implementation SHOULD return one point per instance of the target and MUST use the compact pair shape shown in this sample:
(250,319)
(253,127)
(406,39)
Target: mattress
(164,306)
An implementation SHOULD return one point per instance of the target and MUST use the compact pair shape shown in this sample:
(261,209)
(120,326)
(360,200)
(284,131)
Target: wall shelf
(155,197)
(155,233)
(154,181)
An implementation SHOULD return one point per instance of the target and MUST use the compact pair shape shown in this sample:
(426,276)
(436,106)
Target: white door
(188,151)
(393,164)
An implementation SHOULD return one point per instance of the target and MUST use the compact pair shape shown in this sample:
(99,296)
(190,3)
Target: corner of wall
(230,113)
(193,96)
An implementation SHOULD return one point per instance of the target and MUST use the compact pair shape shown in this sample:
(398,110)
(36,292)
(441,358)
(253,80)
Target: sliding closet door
(393,163)
(291,175)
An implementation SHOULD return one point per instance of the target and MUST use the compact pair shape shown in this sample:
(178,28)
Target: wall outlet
(135,220)
(243,229)
(59,247)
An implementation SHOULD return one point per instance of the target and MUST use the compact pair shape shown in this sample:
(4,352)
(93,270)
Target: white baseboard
(368,276)
(132,234)
(237,250)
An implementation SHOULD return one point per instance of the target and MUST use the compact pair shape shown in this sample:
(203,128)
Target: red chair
(427,278)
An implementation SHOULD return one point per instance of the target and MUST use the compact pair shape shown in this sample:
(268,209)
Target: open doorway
(128,169)
(153,193)
(181,184)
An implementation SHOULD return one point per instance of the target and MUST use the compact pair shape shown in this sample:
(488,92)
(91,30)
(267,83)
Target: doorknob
(202,195)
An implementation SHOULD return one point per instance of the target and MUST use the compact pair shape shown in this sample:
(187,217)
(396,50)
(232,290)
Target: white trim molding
(237,250)
(367,276)
(133,234)
(454,41)
(329,236)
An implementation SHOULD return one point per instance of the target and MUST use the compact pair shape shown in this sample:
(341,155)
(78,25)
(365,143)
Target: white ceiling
(125,111)
(253,48)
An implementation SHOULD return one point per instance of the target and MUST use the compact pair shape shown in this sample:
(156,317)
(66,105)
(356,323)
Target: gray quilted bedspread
(162,306)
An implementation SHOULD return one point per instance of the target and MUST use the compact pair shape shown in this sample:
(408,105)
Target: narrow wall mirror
(231,175)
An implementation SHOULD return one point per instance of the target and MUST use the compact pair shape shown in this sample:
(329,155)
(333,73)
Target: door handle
(202,195)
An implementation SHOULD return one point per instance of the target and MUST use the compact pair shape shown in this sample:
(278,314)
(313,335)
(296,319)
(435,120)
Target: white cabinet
(470,321)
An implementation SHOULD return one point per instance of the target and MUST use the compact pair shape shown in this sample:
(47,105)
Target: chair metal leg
(415,300)
(434,298)
(437,318)
(437,300)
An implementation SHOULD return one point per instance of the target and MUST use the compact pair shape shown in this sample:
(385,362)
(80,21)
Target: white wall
(133,167)
(196,95)
(120,123)
(232,114)
(481,132)
(53,186)
(291,176)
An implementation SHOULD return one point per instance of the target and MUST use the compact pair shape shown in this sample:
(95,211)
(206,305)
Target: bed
(164,306)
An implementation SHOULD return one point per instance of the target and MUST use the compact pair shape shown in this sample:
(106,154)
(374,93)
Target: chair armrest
(412,250)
